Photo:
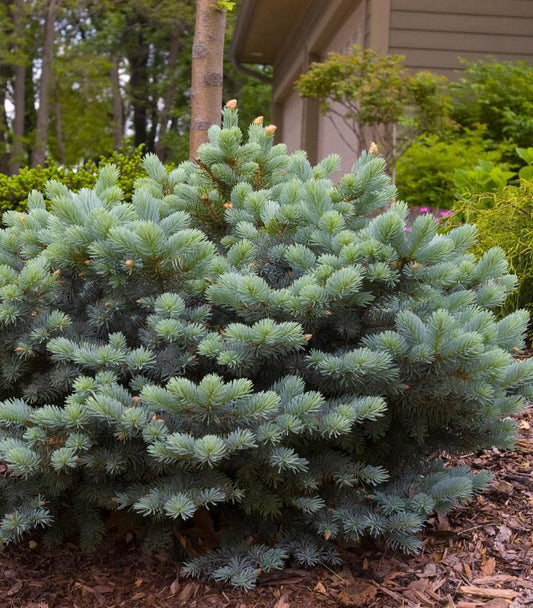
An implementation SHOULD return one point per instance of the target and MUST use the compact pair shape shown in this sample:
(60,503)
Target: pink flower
(408,229)
(424,209)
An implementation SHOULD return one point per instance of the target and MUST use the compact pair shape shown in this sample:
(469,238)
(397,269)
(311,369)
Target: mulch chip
(479,556)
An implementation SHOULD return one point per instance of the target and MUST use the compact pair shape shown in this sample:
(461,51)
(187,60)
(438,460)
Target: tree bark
(137,54)
(5,73)
(207,59)
(118,108)
(59,127)
(170,93)
(41,136)
(19,90)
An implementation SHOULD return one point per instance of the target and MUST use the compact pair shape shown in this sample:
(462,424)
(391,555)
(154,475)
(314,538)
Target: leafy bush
(501,204)
(425,174)
(373,97)
(14,189)
(498,96)
(249,354)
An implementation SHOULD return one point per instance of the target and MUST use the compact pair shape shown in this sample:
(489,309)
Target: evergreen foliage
(249,354)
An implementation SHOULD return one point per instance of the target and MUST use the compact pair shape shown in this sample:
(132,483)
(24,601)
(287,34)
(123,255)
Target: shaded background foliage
(119,70)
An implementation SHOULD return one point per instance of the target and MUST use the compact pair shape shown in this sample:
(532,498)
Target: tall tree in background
(19,87)
(108,73)
(41,136)
(207,66)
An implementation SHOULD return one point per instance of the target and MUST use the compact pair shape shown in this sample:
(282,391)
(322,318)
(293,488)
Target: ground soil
(481,555)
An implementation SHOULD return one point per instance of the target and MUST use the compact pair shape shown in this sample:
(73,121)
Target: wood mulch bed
(481,555)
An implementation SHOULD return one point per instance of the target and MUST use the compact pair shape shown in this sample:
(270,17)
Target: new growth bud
(232,104)
(259,120)
(373,148)
(270,129)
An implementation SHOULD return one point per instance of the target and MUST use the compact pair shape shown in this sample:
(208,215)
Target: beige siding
(434,34)
(351,32)
(292,122)
(368,14)
(502,8)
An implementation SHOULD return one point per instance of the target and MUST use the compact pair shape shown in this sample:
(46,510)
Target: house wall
(433,34)
(292,122)
(351,32)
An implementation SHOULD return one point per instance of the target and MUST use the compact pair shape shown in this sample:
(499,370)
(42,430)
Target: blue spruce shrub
(247,352)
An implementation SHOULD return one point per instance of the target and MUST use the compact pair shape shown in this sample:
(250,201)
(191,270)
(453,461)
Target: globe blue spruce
(248,360)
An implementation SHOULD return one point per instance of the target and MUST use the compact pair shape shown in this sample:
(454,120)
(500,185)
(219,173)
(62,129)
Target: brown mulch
(482,555)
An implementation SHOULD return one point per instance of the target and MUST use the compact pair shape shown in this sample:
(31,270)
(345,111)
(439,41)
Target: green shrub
(498,96)
(425,174)
(14,189)
(370,97)
(248,353)
(503,213)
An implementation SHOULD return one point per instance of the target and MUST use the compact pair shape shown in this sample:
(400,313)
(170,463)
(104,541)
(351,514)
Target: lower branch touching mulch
(482,555)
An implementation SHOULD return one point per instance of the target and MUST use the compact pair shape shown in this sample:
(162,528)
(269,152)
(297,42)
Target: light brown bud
(129,264)
(232,104)
(415,266)
(259,120)
(57,272)
(270,129)
(308,337)
(19,349)
(373,148)
(136,400)
(87,262)
(227,206)
(22,217)
(33,313)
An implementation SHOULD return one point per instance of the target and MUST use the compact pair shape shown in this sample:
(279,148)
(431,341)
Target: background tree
(45,85)
(124,65)
(372,97)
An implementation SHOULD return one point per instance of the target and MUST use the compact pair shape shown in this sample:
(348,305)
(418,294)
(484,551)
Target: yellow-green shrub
(14,189)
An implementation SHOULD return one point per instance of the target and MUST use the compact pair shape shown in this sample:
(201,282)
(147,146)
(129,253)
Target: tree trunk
(5,73)
(19,90)
(59,128)
(30,115)
(207,58)
(138,54)
(170,93)
(41,136)
(118,108)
